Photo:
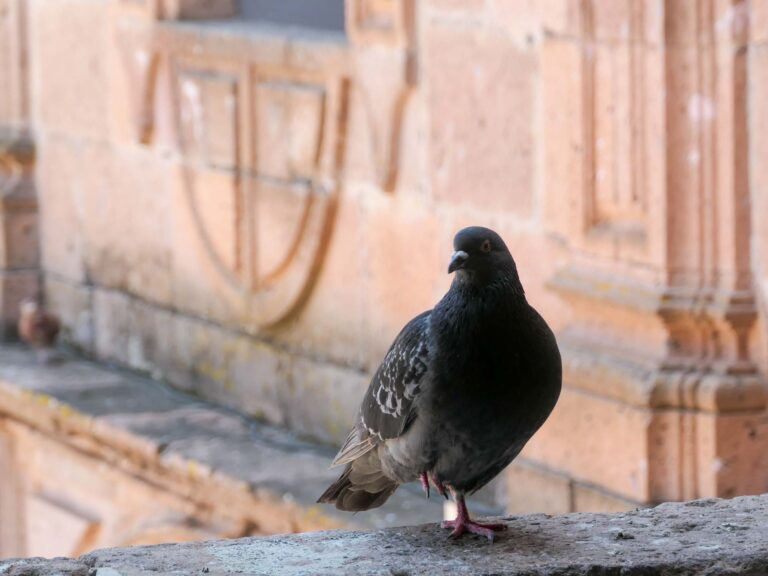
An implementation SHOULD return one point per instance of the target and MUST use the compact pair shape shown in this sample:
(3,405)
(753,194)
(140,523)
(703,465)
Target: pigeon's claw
(463,523)
(425,483)
(462,526)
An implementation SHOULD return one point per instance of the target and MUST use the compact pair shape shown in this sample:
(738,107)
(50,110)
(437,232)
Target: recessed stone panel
(208,117)
(288,128)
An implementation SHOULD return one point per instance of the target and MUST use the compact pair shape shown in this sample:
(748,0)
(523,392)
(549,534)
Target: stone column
(649,181)
(758,169)
(18,202)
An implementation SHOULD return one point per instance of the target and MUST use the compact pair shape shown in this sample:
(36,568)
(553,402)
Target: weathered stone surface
(519,18)
(73,303)
(607,136)
(15,285)
(482,147)
(59,177)
(406,262)
(199,457)
(14,65)
(703,537)
(758,22)
(71,66)
(18,238)
(530,489)
(594,499)
(614,435)
(124,212)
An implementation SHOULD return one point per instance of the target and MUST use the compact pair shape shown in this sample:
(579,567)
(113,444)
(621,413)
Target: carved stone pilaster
(659,281)
(19,257)
(18,202)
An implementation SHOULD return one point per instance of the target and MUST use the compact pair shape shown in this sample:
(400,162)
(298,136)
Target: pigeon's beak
(458,260)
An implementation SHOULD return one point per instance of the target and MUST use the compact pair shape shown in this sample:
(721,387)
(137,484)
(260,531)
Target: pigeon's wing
(387,408)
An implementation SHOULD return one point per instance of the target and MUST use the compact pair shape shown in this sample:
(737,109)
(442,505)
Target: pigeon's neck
(504,285)
(470,304)
(470,311)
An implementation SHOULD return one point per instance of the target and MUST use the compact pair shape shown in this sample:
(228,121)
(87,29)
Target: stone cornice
(665,301)
(656,384)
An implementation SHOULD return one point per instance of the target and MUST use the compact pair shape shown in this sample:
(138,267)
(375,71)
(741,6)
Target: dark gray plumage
(460,392)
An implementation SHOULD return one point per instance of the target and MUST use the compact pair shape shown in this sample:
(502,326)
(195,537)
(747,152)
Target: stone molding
(702,537)
(673,305)
(658,279)
(700,187)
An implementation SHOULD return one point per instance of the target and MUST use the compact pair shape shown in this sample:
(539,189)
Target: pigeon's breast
(497,378)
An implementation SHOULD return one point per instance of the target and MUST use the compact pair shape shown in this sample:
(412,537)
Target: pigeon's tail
(361,486)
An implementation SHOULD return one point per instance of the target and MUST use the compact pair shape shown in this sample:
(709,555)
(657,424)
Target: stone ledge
(698,537)
(202,453)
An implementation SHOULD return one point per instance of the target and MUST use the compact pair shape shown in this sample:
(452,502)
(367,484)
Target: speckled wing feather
(387,408)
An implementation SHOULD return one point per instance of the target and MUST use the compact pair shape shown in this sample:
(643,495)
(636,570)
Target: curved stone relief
(261,138)
(262,155)
(141,62)
(384,35)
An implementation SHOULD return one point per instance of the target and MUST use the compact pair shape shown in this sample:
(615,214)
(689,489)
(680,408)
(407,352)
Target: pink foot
(463,523)
(461,526)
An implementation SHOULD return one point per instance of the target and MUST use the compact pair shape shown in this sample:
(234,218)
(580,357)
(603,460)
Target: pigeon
(461,390)
(38,329)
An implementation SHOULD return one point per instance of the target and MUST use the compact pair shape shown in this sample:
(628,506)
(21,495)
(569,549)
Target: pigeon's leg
(425,483)
(439,486)
(463,523)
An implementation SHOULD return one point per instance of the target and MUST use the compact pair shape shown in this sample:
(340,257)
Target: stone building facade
(251,211)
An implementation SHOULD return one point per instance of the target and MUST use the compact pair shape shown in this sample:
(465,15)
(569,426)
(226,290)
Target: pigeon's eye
(486,246)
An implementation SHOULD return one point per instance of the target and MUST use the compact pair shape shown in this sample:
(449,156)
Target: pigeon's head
(481,255)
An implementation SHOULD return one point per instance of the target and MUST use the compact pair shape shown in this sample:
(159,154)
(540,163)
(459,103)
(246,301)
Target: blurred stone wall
(253,212)
(19,253)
